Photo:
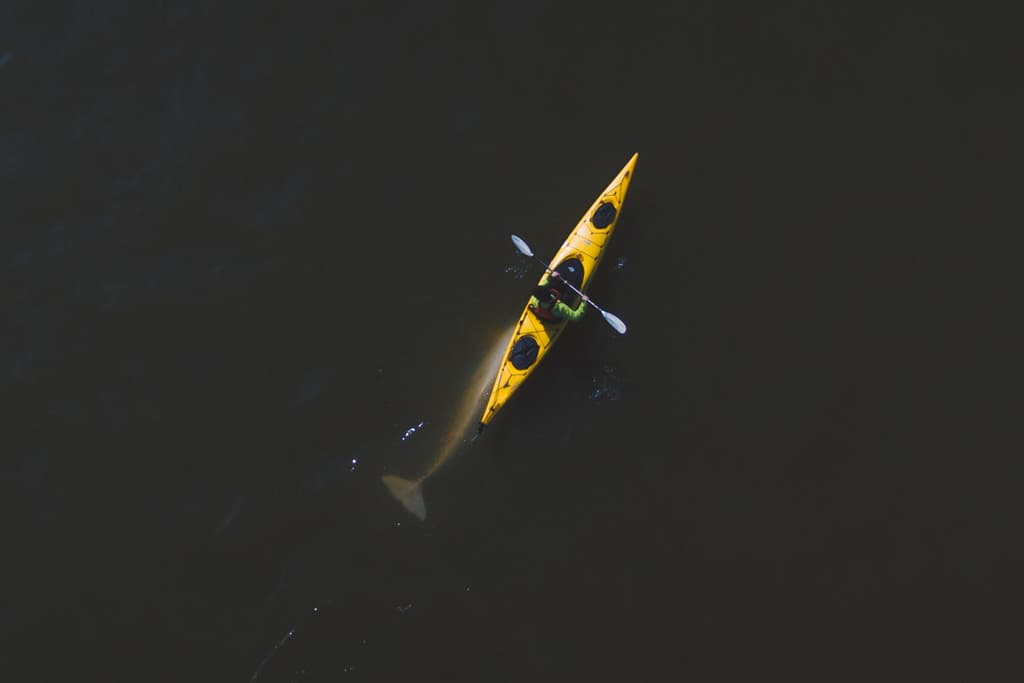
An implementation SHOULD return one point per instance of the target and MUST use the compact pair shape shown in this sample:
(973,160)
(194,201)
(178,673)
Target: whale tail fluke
(409,494)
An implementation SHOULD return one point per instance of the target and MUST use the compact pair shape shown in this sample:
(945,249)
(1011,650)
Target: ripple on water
(412,430)
(520,269)
(606,385)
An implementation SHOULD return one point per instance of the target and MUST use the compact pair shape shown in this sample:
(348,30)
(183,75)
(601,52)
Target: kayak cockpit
(571,270)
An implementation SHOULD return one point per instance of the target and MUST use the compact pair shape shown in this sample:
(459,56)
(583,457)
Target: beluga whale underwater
(409,492)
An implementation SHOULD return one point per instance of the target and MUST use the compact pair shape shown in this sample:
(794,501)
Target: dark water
(247,246)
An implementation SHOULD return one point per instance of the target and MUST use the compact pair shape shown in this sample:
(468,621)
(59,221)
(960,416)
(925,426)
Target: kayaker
(546,303)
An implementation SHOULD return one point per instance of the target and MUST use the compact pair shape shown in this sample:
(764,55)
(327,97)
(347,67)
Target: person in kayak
(546,303)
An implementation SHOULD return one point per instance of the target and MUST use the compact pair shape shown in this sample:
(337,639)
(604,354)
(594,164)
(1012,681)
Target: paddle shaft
(612,320)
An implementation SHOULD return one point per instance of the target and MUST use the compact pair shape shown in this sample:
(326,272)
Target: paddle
(615,322)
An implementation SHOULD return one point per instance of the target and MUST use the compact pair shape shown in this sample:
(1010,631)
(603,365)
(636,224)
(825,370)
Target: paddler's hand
(554,273)
(586,298)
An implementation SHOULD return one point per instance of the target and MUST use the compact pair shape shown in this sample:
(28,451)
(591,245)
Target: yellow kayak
(576,261)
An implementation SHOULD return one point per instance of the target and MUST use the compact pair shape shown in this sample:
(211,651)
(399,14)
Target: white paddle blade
(615,322)
(522,246)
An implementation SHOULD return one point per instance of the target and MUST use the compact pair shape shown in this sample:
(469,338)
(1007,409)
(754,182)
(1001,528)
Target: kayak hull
(577,259)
